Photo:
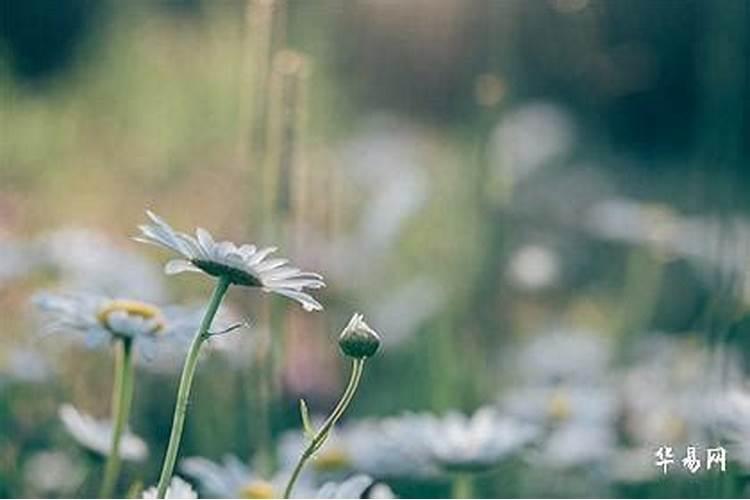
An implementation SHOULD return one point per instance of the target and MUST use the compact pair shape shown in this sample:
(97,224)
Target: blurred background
(497,185)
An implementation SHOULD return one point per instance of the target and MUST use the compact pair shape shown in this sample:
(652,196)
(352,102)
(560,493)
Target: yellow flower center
(131,308)
(332,460)
(558,406)
(258,489)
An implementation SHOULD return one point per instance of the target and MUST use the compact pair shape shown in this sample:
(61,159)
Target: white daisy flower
(391,447)
(555,404)
(101,318)
(245,265)
(234,479)
(476,443)
(667,394)
(421,445)
(564,389)
(96,435)
(371,446)
(178,489)
(579,421)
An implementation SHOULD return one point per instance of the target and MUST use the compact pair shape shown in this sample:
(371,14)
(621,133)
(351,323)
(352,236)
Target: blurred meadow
(542,207)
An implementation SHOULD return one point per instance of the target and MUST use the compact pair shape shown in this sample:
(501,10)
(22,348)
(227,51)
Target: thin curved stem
(122,397)
(186,381)
(320,437)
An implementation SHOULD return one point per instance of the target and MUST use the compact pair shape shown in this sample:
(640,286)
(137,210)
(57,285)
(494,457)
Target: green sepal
(306,424)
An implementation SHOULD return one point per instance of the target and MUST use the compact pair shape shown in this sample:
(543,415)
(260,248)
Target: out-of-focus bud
(358,340)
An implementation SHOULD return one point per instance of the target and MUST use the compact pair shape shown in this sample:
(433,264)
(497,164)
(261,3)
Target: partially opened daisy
(245,265)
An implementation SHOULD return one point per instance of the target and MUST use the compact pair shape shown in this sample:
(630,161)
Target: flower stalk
(322,434)
(186,382)
(462,486)
(122,397)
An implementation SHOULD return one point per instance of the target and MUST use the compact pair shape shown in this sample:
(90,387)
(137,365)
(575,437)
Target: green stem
(320,437)
(186,381)
(264,399)
(463,486)
(122,396)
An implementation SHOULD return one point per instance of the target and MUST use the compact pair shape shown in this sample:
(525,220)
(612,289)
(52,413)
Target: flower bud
(359,340)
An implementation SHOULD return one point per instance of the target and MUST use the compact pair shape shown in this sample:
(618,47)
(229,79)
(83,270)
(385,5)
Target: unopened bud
(358,340)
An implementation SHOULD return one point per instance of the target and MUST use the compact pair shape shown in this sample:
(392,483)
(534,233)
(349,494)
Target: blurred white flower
(96,435)
(476,443)
(16,260)
(334,461)
(574,444)
(387,161)
(233,479)
(714,244)
(560,403)
(422,445)
(27,365)
(579,420)
(563,386)
(406,307)
(633,222)
(245,265)
(563,355)
(359,486)
(534,267)
(529,138)
(380,490)
(391,205)
(53,472)
(101,318)
(391,447)
(372,446)
(88,261)
(732,421)
(668,393)
(178,489)
(634,464)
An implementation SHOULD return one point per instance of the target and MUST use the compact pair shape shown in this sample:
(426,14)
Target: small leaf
(306,424)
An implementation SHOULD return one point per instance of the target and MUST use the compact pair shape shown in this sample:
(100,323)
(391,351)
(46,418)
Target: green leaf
(306,424)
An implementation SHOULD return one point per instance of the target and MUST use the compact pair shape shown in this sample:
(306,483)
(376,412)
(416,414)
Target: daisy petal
(176,266)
